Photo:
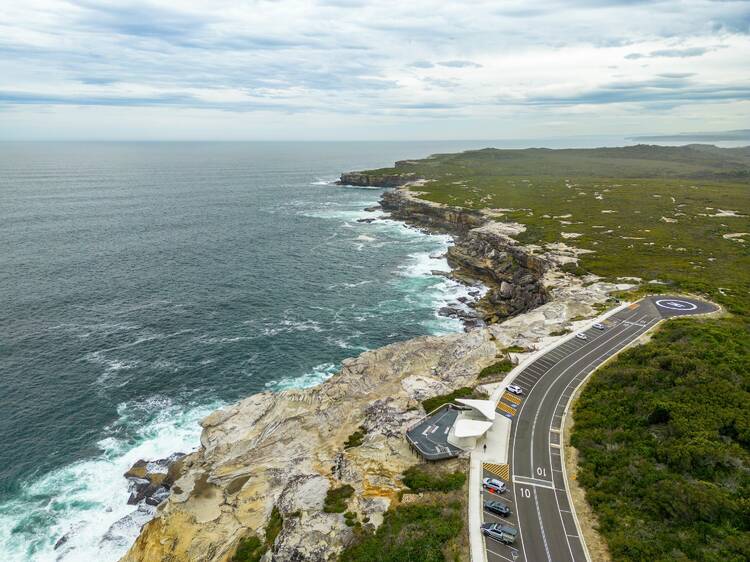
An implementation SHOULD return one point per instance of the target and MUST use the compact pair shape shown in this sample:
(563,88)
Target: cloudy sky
(351,69)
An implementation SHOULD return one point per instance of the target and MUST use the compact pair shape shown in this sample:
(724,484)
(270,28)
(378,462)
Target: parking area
(496,550)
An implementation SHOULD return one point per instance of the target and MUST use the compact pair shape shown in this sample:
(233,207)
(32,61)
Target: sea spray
(79,512)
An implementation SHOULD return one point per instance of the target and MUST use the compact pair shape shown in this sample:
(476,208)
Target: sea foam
(79,512)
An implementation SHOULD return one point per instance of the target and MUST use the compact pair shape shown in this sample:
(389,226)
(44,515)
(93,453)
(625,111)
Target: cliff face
(403,205)
(483,251)
(368,180)
(514,275)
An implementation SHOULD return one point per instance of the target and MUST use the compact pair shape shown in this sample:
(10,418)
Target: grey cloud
(714,136)
(663,93)
(672,53)
(460,64)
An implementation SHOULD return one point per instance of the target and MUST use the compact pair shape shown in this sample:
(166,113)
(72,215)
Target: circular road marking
(673,304)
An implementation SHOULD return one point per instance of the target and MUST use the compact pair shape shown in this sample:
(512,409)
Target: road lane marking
(614,334)
(541,527)
(536,482)
(488,549)
(588,369)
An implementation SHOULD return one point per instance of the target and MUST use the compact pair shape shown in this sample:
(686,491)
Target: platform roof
(471,428)
(484,407)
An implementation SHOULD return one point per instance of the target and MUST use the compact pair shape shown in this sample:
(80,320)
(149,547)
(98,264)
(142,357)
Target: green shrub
(435,402)
(356,438)
(335,501)
(502,366)
(250,549)
(275,523)
(418,479)
(562,332)
(409,533)
(515,349)
(573,269)
(664,439)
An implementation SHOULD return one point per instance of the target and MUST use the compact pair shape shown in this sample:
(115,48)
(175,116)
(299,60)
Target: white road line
(513,454)
(488,549)
(610,336)
(544,537)
(587,369)
(613,335)
(531,481)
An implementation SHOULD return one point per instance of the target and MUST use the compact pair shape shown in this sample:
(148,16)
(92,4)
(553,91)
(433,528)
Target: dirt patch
(587,519)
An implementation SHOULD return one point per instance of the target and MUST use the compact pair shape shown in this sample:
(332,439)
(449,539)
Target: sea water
(144,285)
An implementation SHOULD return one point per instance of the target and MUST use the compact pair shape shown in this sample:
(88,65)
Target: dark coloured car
(498,508)
(499,532)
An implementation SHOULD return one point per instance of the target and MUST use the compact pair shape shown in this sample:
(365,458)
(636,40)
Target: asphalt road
(537,493)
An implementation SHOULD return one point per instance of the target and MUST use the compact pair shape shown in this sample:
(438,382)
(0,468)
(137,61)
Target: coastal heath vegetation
(663,431)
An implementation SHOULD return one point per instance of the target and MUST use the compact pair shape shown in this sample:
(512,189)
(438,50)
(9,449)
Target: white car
(599,326)
(493,485)
(582,336)
(515,389)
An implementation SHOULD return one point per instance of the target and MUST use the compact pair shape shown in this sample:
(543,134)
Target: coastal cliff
(483,251)
(275,456)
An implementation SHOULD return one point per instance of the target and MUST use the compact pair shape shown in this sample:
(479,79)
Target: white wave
(323,182)
(83,505)
(350,285)
(319,374)
(287,326)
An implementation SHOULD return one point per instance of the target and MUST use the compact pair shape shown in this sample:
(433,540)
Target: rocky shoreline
(282,452)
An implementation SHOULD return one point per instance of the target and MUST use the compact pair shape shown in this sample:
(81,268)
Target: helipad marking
(674,304)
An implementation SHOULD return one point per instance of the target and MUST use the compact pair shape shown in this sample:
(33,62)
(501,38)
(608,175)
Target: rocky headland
(280,453)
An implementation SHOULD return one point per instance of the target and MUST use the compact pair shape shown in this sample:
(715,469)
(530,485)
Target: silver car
(582,336)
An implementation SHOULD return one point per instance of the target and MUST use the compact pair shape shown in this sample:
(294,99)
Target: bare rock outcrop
(263,451)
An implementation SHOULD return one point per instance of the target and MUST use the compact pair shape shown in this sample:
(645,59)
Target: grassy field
(663,432)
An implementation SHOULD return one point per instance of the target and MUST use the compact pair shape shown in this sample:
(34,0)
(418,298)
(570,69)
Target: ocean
(144,285)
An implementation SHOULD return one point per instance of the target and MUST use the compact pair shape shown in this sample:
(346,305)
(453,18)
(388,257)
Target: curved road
(542,514)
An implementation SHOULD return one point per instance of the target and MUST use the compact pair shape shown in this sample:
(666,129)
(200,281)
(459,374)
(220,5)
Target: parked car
(494,485)
(599,326)
(498,508)
(515,389)
(499,532)
(582,336)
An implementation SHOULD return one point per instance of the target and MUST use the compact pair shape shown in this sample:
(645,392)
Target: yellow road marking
(634,306)
(511,398)
(501,470)
(506,408)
